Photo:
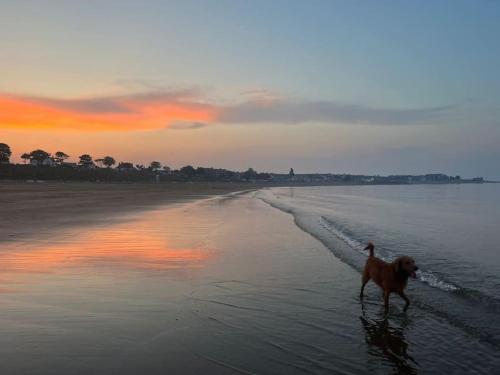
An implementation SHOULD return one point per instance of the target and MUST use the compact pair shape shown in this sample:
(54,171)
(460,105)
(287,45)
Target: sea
(451,230)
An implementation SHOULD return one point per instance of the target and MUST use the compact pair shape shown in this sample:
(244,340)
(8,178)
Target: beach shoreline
(218,286)
(34,209)
(196,278)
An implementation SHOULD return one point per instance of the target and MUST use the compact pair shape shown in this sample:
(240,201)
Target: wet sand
(38,209)
(219,286)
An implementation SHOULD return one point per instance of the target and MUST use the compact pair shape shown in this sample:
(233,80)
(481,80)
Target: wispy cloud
(190,109)
(295,112)
(187,125)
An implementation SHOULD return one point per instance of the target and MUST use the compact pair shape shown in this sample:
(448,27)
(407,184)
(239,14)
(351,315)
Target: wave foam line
(426,277)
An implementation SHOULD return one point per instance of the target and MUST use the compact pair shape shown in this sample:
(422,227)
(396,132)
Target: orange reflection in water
(120,246)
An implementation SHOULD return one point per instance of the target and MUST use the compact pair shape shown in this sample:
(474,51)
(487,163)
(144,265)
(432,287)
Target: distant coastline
(129,173)
(40,165)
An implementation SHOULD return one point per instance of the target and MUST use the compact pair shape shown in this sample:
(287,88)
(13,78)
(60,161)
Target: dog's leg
(386,300)
(364,280)
(407,300)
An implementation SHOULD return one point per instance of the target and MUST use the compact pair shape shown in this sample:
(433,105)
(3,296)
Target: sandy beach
(33,209)
(226,285)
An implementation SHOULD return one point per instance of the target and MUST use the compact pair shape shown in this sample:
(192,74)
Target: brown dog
(391,277)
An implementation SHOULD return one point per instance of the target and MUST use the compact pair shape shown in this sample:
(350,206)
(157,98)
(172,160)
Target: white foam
(283,203)
(424,276)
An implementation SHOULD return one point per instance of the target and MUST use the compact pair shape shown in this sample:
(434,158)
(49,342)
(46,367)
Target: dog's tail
(370,247)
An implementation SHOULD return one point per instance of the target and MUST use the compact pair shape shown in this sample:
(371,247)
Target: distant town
(40,165)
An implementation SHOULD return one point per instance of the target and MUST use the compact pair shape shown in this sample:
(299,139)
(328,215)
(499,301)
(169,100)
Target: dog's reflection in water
(389,343)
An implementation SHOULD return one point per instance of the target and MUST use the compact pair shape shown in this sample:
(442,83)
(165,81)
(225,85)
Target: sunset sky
(321,86)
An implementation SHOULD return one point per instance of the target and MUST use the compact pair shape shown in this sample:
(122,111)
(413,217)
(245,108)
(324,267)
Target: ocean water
(452,231)
(233,285)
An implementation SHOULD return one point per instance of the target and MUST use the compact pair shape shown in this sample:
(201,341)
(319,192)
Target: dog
(391,277)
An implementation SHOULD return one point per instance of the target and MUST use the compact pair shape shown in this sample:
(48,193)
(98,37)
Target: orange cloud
(187,110)
(134,112)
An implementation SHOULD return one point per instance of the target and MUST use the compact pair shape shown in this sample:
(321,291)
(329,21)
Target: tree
(86,161)
(25,157)
(5,153)
(60,157)
(188,171)
(108,161)
(249,174)
(125,165)
(155,165)
(39,156)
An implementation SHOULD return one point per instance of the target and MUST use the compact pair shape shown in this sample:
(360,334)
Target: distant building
(69,165)
(47,162)
(436,177)
(125,166)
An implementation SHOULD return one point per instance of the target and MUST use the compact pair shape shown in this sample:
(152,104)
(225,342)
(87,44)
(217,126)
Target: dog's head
(406,265)
(370,246)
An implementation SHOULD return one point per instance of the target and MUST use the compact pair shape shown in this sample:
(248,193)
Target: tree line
(41,165)
(43,158)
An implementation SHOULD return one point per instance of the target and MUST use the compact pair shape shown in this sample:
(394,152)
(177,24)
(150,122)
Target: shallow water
(451,231)
(225,285)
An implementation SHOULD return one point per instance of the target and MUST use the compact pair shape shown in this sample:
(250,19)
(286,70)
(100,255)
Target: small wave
(424,276)
(466,309)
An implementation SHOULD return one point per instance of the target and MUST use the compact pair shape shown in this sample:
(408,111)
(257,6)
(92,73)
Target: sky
(385,87)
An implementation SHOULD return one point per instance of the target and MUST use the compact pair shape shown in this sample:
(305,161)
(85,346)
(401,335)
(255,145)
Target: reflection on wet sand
(388,342)
(117,246)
